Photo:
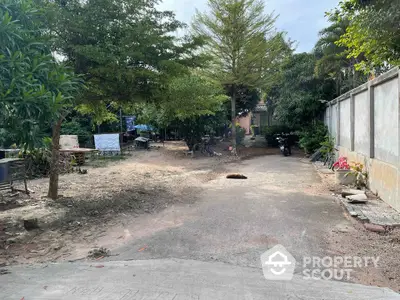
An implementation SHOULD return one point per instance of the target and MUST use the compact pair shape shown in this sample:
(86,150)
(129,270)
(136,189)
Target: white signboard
(107,142)
(69,142)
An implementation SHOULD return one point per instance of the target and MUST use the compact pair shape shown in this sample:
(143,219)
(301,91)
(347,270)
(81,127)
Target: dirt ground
(113,192)
(117,192)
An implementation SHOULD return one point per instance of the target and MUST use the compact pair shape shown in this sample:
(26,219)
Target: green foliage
(127,50)
(239,36)
(6,138)
(34,89)
(240,134)
(235,33)
(246,98)
(332,61)
(297,97)
(193,129)
(312,137)
(270,133)
(327,146)
(191,96)
(275,129)
(99,112)
(192,104)
(373,35)
(360,174)
(76,127)
(38,160)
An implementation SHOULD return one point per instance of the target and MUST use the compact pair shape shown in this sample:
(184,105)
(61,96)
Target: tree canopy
(35,89)
(238,35)
(373,33)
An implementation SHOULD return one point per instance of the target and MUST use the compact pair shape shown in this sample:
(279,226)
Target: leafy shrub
(275,129)
(37,161)
(327,146)
(270,133)
(240,134)
(312,137)
(361,175)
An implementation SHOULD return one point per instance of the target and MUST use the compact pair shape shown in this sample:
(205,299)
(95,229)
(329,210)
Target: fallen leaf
(45,287)
(100,257)
(142,249)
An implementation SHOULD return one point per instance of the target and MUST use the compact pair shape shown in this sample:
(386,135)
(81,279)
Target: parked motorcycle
(284,145)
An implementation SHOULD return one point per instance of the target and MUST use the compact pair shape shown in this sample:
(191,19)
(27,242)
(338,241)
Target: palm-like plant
(332,58)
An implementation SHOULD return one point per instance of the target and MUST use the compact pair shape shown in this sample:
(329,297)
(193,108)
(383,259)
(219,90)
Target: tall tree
(332,58)
(35,91)
(126,49)
(238,34)
(192,103)
(374,33)
(299,94)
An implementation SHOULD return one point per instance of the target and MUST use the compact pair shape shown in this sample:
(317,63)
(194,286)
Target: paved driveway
(211,249)
(235,221)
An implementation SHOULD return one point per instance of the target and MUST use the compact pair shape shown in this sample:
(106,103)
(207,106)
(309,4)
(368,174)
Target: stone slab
(349,192)
(360,198)
(374,211)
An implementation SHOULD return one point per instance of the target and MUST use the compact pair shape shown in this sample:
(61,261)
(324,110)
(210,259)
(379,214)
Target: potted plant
(342,171)
(359,174)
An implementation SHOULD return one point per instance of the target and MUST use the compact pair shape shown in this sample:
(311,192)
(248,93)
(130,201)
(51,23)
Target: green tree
(35,90)
(299,95)
(127,50)
(332,58)
(24,65)
(373,33)
(193,104)
(238,35)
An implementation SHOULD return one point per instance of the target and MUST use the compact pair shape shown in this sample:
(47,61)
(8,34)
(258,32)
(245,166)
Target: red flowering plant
(341,164)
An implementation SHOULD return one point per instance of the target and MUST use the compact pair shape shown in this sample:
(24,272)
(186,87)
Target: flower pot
(341,177)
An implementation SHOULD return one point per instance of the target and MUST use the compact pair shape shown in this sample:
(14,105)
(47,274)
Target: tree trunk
(55,158)
(233,115)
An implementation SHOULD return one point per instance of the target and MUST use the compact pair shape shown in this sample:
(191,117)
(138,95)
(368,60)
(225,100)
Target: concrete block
(349,192)
(360,198)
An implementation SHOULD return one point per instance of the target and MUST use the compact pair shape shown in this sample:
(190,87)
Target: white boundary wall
(365,123)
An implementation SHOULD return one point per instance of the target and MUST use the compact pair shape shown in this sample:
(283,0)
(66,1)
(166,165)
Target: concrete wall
(386,113)
(365,123)
(344,123)
(334,120)
(245,123)
(362,126)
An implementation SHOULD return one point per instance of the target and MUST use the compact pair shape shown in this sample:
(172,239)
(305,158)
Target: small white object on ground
(360,198)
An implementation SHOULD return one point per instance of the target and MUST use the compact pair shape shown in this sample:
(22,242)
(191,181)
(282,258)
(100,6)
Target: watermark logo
(278,264)
(336,267)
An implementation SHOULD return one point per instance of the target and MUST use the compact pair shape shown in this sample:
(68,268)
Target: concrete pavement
(169,279)
(211,247)
(235,221)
